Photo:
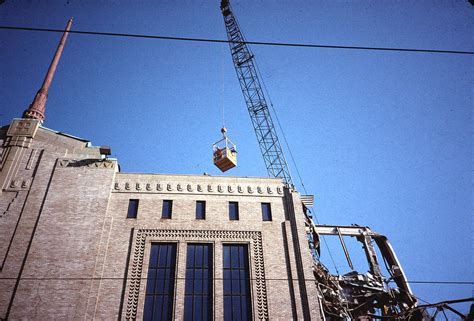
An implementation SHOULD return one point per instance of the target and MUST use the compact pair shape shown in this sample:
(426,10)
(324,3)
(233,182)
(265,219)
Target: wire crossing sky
(178,278)
(282,44)
(382,138)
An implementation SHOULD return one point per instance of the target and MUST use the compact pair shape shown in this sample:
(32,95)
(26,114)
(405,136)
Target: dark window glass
(266,212)
(198,286)
(132,209)
(167,209)
(236,283)
(200,210)
(159,294)
(233,211)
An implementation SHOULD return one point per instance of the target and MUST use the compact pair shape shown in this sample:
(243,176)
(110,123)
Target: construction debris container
(225,158)
(225,152)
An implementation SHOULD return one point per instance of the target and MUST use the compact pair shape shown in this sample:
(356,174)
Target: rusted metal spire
(37,107)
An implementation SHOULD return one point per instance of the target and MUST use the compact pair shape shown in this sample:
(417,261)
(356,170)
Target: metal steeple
(37,107)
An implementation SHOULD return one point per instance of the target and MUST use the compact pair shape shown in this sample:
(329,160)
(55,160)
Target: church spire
(37,107)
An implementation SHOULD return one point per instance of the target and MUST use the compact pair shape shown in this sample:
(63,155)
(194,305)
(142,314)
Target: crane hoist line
(254,96)
(341,297)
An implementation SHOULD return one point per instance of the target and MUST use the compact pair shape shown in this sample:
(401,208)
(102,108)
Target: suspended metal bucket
(224,153)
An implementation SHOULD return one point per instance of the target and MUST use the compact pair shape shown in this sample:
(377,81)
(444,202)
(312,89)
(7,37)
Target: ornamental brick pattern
(68,251)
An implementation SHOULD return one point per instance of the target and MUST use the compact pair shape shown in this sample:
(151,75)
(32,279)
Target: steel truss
(257,106)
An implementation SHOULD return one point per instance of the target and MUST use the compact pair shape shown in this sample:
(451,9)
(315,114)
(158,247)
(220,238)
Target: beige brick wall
(82,250)
(39,222)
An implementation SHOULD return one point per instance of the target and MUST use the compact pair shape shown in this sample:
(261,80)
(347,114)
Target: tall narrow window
(233,211)
(198,288)
(132,209)
(200,210)
(266,212)
(167,209)
(237,305)
(160,282)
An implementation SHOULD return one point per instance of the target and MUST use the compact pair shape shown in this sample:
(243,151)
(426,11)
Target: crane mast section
(255,100)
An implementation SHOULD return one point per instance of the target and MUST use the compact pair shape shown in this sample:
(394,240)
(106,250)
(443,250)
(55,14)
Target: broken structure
(82,240)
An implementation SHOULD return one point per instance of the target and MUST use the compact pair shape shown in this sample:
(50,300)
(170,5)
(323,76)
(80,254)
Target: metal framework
(354,295)
(257,106)
(358,295)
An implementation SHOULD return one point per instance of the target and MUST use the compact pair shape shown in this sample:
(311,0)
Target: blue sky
(382,139)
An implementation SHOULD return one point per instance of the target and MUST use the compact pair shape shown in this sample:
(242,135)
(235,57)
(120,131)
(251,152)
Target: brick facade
(68,250)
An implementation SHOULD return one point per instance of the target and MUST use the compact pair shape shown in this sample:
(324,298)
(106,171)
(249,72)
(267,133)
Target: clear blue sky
(382,139)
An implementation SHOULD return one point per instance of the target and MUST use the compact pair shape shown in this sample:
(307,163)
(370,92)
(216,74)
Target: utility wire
(262,43)
(215,279)
(442,282)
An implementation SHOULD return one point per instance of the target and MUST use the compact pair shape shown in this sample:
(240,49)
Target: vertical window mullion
(198,299)
(236,272)
(193,296)
(160,306)
(240,289)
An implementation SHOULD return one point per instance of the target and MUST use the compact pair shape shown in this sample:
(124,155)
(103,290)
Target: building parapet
(194,184)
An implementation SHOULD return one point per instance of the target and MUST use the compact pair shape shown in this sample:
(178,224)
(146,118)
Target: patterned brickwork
(136,262)
(69,251)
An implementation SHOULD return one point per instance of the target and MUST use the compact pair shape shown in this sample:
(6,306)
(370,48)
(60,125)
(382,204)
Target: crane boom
(340,296)
(257,106)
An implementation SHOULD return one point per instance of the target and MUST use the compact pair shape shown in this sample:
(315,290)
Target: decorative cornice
(135,274)
(129,186)
(88,163)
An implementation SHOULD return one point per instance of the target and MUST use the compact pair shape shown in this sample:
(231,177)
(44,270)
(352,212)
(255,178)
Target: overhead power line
(262,43)
(66,278)
(442,282)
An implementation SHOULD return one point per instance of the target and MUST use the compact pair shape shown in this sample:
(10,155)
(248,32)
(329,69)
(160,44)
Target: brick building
(81,240)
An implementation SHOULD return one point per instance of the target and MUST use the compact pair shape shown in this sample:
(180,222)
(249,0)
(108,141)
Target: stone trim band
(168,187)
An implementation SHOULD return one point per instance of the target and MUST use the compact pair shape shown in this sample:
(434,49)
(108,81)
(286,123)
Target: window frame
(203,209)
(191,268)
(169,213)
(134,284)
(237,214)
(166,268)
(234,270)
(132,212)
(266,212)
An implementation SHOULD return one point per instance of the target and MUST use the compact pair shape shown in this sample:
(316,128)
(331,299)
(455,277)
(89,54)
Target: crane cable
(222,88)
(311,210)
(284,138)
(291,154)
